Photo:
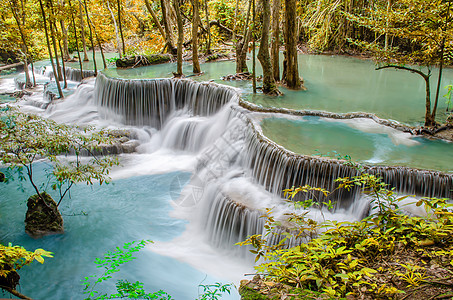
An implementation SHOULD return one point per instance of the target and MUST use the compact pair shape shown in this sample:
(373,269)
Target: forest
(302,247)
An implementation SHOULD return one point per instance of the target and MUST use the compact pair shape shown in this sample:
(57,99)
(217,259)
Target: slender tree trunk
(98,40)
(387,25)
(53,31)
(121,27)
(91,37)
(196,20)
(235,21)
(208,27)
(156,20)
(441,65)
(63,66)
(60,92)
(292,79)
(242,46)
(64,33)
(253,47)
(275,46)
(269,85)
(82,33)
(115,25)
(14,6)
(168,36)
(176,4)
(77,41)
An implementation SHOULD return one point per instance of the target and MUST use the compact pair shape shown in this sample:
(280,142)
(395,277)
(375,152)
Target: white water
(230,165)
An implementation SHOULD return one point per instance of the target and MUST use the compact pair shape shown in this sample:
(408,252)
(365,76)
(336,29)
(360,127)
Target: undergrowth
(387,255)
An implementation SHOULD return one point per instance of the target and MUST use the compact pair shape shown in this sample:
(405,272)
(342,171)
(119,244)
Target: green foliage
(337,258)
(13,258)
(214,291)
(25,139)
(111,262)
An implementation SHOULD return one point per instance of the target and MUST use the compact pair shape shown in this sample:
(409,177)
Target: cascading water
(236,170)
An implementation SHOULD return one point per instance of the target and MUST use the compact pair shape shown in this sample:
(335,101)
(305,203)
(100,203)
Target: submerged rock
(42,216)
(2,177)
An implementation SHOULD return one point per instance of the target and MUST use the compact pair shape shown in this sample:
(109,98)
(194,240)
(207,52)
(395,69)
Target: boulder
(43,217)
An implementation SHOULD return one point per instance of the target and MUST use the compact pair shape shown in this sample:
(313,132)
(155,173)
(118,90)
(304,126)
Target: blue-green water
(128,209)
(363,140)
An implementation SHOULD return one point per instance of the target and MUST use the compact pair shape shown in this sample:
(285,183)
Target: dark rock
(11,280)
(142,60)
(42,216)
(2,177)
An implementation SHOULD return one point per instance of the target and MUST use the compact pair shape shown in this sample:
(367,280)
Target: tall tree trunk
(20,22)
(176,4)
(253,47)
(82,32)
(118,48)
(98,40)
(441,65)
(292,78)
(275,46)
(156,20)
(91,37)
(242,45)
(63,66)
(53,32)
(43,13)
(387,25)
(64,33)
(121,27)
(196,21)
(208,27)
(269,86)
(168,36)
(77,41)
(235,20)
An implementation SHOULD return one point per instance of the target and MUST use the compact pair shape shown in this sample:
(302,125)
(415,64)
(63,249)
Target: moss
(42,216)
(141,60)
(251,294)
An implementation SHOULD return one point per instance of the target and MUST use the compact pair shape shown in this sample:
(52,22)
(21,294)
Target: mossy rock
(43,217)
(142,60)
(248,293)
(2,177)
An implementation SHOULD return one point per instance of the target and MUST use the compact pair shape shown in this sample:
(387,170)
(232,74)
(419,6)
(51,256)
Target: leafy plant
(214,291)
(111,262)
(338,259)
(14,258)
(448,95)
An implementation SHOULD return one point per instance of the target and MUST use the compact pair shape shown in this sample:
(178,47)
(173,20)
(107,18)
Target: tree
(291,72)
(26,138)
(243,44)
(275,44)
(195,22)
(177,6)
(424,34)
(269,85)
(168,35)
(44,19)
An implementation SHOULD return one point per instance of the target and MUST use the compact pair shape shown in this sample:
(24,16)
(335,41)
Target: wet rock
(142,60)
(43,217)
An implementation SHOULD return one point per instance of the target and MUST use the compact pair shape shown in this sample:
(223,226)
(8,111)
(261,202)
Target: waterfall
(151,102)
(277,168)
(71,73)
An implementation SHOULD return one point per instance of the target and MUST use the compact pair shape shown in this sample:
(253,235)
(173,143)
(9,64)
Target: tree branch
(14,292)
(425,76)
